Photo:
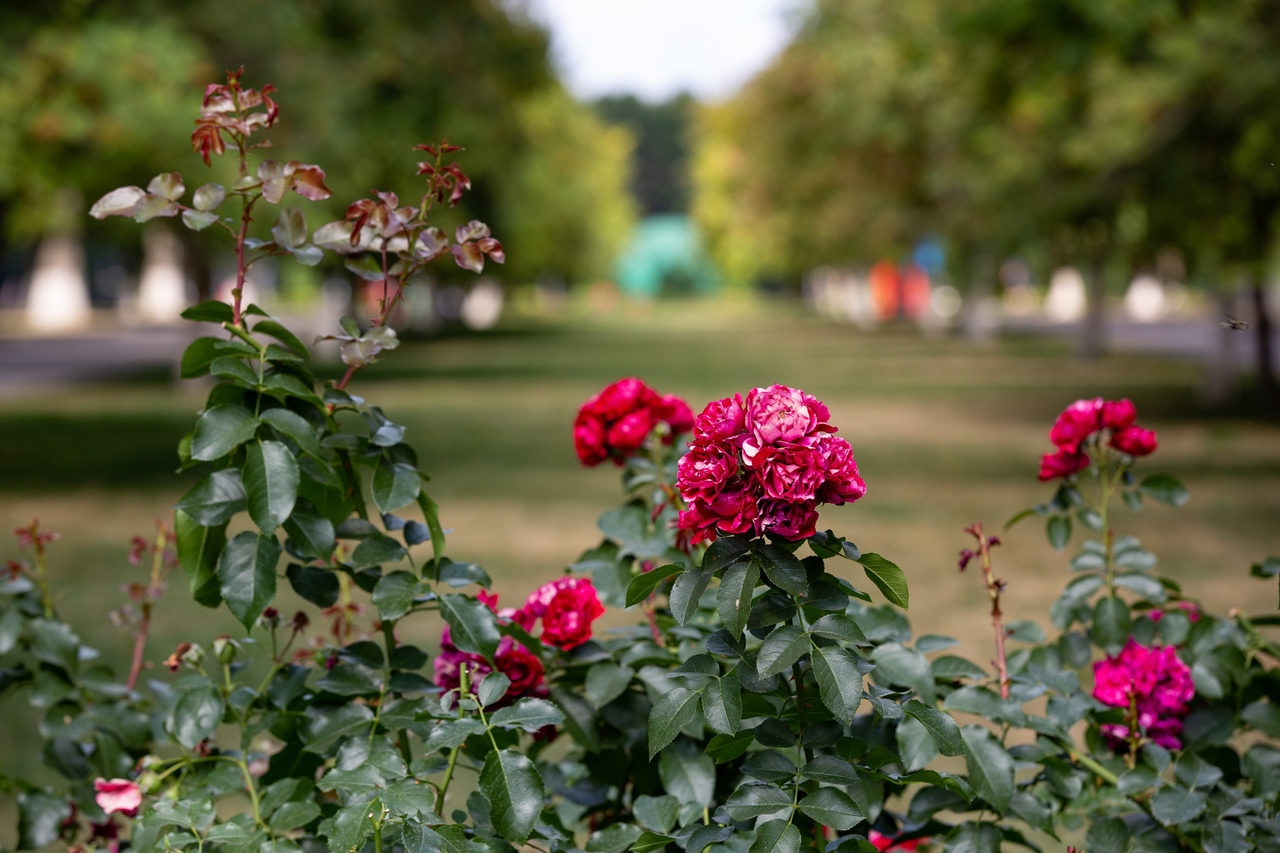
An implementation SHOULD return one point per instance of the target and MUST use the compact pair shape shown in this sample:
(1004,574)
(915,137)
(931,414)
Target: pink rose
(589,438)
(1118,414)
(536,604)
(721,421)
(1064,463)
(629,432)
(790,472)
(844,484)
(1134,441)
(1080,420)
(676,412)
(566,622)
(788,520)
(883,842)
(705,470)
(117,795)
(618,399)
(522,666)
(779,413)
(733,510)
(1112,683)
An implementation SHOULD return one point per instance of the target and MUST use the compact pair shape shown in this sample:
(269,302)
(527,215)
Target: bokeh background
(945,219)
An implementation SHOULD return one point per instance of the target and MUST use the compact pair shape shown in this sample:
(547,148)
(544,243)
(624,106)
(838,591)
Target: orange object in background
(885,290)
(916,292)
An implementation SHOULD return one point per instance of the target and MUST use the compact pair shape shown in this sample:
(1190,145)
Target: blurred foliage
(1086,128)
(660,181)
(90,95)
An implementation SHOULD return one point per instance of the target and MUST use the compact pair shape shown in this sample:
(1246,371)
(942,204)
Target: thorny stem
(464,687)
(144,625)
(994,588)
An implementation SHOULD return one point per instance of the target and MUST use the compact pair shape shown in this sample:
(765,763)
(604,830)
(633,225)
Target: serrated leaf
(896,664)
(613,839)
(514,790)
(221,429)
(247,575)
(643,585)
(196,715)
(316,585)
(751,801)
(118,202)
(832,807)
(687,774)
(722,704)
(196,220)
(199,547)
(395,485)
(657,814)
(529,714)
(940,726)
(776,836)
(784,569)
(394,593)
(733,597)
(782,648)
(290,230)
(311,535)
(686,592)
(891,580)
(839,681)
(492,688)
(295,427)
(607,681)
(990,767)
(1173,805)
(270,478)
(473,626)
(838,626)
(671,713)
(209,196)
(1112,623)
(1058,529)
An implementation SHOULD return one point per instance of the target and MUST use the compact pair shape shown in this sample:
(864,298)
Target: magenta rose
(843,484)
(566,622)
(1117,414)
(522,666)
(677,414)
(629,432)
(1079,421)
(1062,464)
(705,470)
(733,510)
(779,413)
(1134,441)
(117,795)
(791,472)
(787,519)
(536,604)
(589,439)
(621,397)
(721,421)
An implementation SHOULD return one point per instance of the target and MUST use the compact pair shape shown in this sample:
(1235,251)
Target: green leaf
(294,426)
(452,733)
(529,714)
(643,585)
(722,748)
(394,593)
(290,230)
(832,807)
(311,535)
(607,681)
(1165,488)
(890,579)
(990,767)
(281,334)
(492,688)
(839,681)
(686,592)
(1173,805)
(648,842)
(614,839)
(830,769)
(55,643)
(579,718)
(941,727)
(198,550)
(230,367)
(220,430)
(216,498)
(670,714)
(394,485)
(211,310)
(271,482)
(724,552)
(974,837)
(657,814)
(473,626)
(782,648)
(431,515)
(722,704)
(776,836)
(197,220)
(40,819)
(1112,624)
(247,575)
(324,727)
(196,715)
(687,774)
(915,746)
(319,586)
(751,801)
(733,598)
(514,790)
(838,626)
(1058,529)
(896,664)
(294,815)
(784,569)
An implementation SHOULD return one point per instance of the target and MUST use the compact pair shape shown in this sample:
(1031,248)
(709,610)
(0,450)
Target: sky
(655,49)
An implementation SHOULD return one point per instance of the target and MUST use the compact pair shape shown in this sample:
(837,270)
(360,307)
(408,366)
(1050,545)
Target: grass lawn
(946,433)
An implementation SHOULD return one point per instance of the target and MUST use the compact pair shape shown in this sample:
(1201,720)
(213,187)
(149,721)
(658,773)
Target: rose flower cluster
(567,607)
(614,423)
(1078,425)
(1154,683)
(763,465)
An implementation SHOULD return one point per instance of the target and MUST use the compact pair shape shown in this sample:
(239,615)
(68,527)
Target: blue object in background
(665,257)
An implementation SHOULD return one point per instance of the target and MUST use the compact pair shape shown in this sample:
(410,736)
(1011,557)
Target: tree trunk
(1268,401)
(1093,331)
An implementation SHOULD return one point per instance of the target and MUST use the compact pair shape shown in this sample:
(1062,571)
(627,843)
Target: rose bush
(764,702)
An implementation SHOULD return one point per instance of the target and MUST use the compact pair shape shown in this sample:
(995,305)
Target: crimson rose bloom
(615,423)
(1094,424)
(763,465)
(566,623)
